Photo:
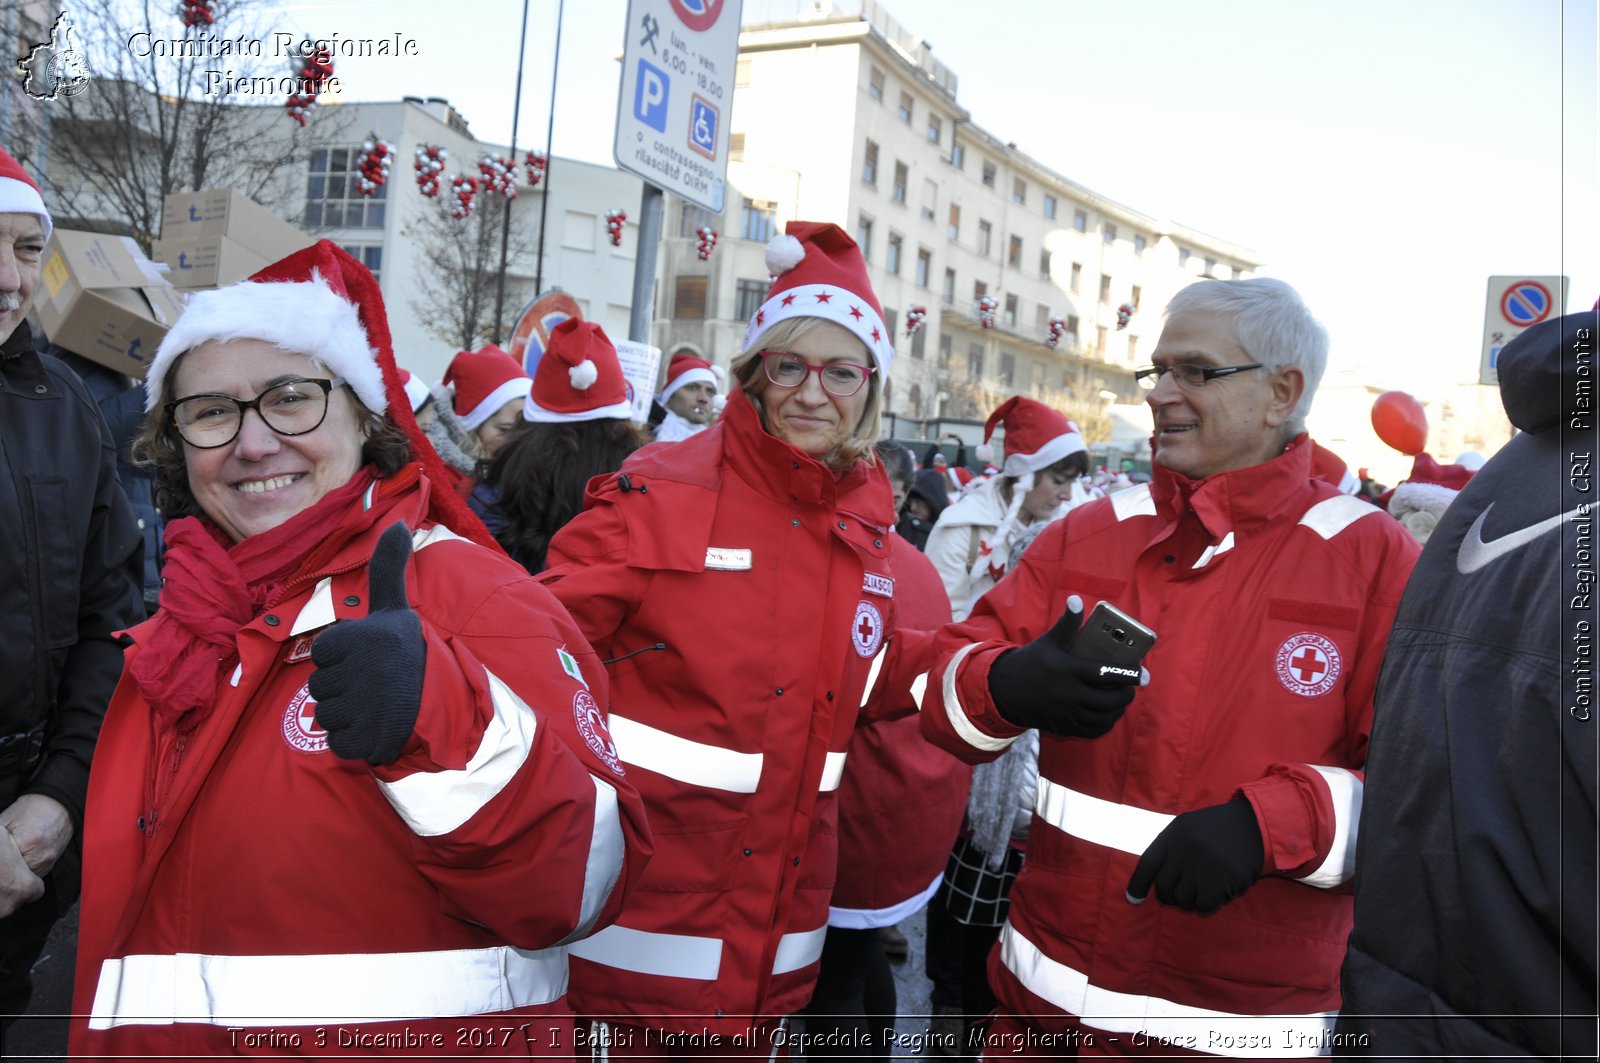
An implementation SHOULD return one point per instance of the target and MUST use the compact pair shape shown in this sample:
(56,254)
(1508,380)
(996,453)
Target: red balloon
(1399,420)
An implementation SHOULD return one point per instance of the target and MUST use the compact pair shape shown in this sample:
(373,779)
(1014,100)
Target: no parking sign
(1516,303)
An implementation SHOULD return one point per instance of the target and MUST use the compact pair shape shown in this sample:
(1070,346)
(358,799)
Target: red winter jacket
(1272,596)
(744,596)
(248,892)
(902,798)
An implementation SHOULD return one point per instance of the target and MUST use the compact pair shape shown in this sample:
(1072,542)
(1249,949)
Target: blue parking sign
(650,97)
(703,117)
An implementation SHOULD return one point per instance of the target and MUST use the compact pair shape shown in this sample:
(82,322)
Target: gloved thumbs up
(1043,685)
(368,678)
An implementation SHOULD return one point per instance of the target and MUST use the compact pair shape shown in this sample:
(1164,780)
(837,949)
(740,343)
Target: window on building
(1036,383)
(869,163)
(748,297)
(1134,298)
(1072,329)
(924,266)
(1139,244)
(975,361)
(1008,369)
(689,298)
(890,317)
(1050,206)
(1080,220)
(891,258)
(935,128)
(953,229)
(1133,348)
(331,196)
(1013,304)
(985,236)
(1100,341)
(919,349)
(949,292)
(691,218)
(1044,264)
(930,197)
(905,108)
(758,220)
(988,174)
(1105,288)
(979,290)
(1041,319)
(1014,253)
(1110,233)
(958,154)
(864,236)
(736,147)
(369,255)
(1077,276)
(902,177)
(875,83)
(947,349)
(1211,267)
(1019,190)
(1183,256)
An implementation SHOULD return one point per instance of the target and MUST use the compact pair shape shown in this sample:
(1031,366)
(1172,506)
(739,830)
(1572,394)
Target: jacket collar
(783,472)
(1241,500)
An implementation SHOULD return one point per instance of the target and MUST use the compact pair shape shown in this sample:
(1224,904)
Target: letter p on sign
(650,97)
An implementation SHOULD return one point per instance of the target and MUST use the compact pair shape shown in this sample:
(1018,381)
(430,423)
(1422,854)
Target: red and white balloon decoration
(1125,313)
(914,317)
(313,71)
(537,164)
(614,222)
(462,189)
(499,174)
(987,305)
(429,164)
(195,13)
(708,240)
(372,172)
(1058,328)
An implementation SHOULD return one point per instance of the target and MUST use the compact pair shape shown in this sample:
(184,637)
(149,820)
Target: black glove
(368,680)
(1042,685)
(1202,859)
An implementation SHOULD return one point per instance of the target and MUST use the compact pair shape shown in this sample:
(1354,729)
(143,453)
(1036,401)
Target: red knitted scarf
(212,587)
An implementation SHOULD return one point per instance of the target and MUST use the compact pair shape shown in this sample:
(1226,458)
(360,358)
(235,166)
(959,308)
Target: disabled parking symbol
(703,118)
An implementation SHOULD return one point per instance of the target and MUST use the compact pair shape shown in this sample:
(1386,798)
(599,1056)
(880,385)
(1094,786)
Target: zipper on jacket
(171,761)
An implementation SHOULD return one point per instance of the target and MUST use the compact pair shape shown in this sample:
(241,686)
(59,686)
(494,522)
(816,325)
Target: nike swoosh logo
(1475,553)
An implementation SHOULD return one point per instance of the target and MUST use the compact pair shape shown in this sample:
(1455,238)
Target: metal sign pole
(651,206)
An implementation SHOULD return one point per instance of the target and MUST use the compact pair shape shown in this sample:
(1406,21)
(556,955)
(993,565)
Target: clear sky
(1383,156)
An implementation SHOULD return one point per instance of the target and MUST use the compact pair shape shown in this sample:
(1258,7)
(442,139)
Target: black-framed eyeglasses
(1189,376)
(839,379)
(291,408)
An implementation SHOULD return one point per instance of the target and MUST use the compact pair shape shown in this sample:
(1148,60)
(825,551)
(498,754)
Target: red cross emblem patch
(1308,664)
(866,632)
(300,728)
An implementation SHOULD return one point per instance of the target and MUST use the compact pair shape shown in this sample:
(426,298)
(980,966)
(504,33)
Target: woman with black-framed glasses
(740,584)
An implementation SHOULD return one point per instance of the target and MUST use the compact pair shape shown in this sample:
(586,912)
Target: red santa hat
(686,368)
(1036,436)
(819,272)
(322,303)
(1420,500)
(416,390)
(19,194)
(578,377)
(484,380)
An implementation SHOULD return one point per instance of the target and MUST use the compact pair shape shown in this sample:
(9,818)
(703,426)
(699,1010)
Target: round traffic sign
(698,15)
(1526,303)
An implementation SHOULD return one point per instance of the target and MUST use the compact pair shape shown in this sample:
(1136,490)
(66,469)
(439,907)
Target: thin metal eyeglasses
(1189,376)
(291,408)
(839,379)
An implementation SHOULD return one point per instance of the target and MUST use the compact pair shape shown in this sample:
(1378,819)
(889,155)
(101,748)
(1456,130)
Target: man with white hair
(1228,781)
(689,396)
(71,573)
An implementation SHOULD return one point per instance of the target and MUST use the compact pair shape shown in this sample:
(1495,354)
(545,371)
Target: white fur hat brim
(515,388)
(696,375)
(302,317)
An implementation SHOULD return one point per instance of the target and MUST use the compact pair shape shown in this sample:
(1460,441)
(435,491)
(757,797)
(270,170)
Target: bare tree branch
(457,305)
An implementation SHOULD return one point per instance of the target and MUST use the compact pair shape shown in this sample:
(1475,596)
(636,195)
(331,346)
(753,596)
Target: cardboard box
(101,297)
(208,262)
(187,216)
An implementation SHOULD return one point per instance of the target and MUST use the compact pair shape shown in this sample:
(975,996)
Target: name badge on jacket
(727,559)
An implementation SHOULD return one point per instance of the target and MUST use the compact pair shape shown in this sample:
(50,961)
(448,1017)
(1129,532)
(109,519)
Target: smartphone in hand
(1113,638)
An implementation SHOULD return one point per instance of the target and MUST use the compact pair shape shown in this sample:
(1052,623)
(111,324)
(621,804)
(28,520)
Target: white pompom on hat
(19,194)
(819,272)
(483,381)
(1037,436)
(578,378)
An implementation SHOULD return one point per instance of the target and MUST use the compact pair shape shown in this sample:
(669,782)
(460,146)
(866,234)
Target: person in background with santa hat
(688,395)
(476,407)
(420,398)
(576,426)
(70,578)
(355,787)
(741,585)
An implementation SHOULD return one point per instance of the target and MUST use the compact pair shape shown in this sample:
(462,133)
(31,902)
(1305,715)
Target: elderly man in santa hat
(72,575)
(689,395)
